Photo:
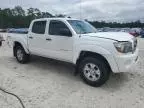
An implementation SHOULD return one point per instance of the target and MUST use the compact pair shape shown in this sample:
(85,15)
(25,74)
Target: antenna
(80,14)
(80,9)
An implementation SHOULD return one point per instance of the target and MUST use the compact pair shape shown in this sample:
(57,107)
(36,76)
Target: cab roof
(54,18)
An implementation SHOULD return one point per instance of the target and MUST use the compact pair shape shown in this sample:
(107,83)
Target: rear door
(37,38)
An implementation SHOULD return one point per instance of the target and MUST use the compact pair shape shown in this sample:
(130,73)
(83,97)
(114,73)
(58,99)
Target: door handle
(31,37)
(48,39)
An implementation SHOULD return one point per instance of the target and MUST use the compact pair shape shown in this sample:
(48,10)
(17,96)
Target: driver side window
(55,27)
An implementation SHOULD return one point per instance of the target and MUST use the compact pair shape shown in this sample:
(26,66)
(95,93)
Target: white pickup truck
(94,54)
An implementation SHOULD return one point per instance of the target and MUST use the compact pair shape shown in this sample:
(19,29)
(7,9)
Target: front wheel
(21,55)
(94,71)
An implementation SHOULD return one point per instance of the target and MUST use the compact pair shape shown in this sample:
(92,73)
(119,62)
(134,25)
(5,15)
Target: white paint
(69,48)
(4,35)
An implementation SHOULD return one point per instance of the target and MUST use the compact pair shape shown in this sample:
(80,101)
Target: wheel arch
(84,54)
(15,44)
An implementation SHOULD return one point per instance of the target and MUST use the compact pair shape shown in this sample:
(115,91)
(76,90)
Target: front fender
(99,50)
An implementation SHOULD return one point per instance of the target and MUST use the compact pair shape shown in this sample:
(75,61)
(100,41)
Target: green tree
(19,18)
(18,11)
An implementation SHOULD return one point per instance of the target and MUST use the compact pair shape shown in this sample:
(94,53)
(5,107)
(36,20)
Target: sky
(98,10)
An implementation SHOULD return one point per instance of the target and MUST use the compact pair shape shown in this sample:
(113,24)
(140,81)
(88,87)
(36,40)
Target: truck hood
(118,36)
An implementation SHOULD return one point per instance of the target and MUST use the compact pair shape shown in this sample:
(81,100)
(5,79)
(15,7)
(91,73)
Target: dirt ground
(45,83)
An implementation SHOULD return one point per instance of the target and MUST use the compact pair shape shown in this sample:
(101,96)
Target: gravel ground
(45,83)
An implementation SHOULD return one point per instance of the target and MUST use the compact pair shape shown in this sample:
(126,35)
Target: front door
(60,41)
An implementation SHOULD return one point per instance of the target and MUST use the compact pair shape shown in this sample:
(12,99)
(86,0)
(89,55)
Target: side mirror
(65,32)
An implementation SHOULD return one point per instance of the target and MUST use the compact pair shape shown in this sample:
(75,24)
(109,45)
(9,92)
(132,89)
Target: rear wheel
(94,71)
(21,55)
(0,43)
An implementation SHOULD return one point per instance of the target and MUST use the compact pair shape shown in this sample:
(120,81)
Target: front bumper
(127,63)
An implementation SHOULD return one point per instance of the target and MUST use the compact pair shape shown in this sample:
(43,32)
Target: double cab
(94,54)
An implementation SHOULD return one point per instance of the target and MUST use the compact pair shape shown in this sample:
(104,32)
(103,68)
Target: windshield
(82,27)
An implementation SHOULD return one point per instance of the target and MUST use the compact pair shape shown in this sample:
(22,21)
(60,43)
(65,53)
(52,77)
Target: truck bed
(11,37)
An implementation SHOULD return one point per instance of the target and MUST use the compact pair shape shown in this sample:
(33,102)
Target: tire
(0,43)
(94,71)
(21,55)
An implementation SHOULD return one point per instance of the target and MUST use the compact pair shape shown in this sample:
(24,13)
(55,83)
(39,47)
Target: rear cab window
(39,27)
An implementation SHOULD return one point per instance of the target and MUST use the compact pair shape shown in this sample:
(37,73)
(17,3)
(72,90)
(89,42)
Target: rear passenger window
(39,27)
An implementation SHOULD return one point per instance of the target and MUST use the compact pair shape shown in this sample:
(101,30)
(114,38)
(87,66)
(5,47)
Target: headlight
(123,47)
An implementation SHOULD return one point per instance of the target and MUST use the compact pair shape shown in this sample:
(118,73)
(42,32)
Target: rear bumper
(126,63)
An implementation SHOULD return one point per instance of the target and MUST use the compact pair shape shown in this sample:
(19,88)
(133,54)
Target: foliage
(20,18)
(117,25)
